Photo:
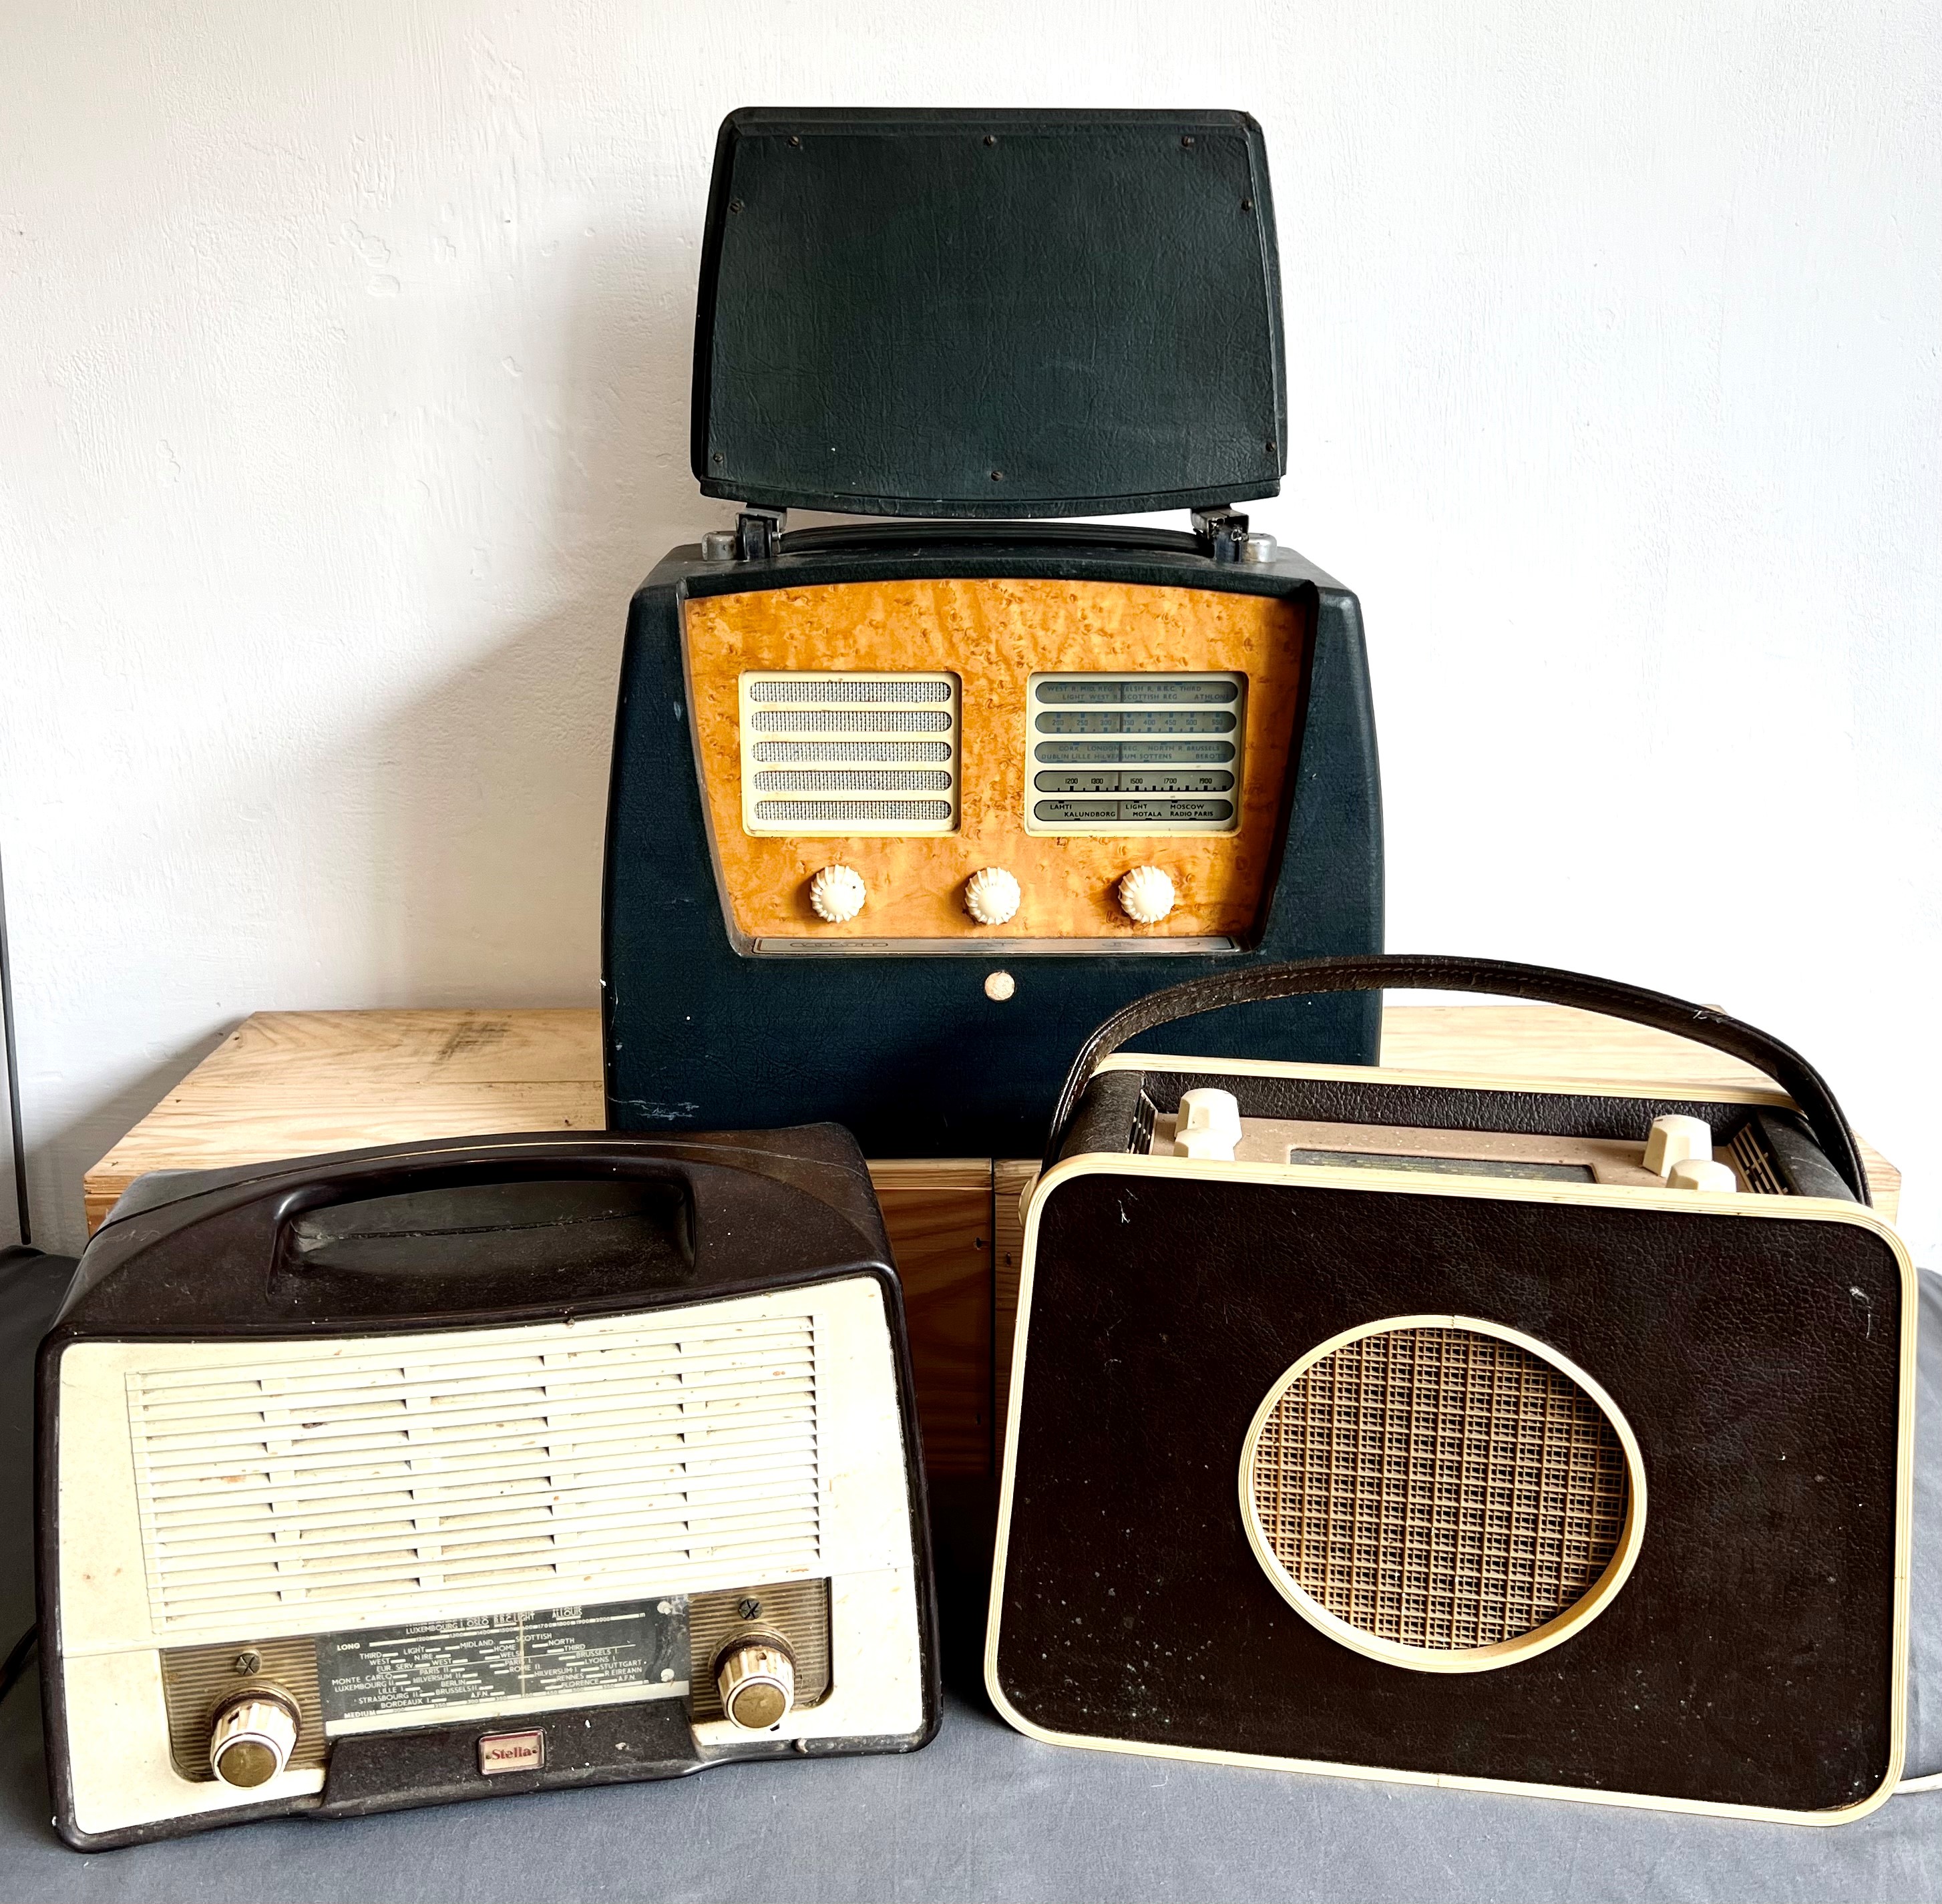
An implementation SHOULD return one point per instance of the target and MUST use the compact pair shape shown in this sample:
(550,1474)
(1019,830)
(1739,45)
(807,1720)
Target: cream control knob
(756,1680)
(251,1739)
(1701,1174)
(837,894)
(1146,895)
(1672,1140)
(1208,1125)
(991,895)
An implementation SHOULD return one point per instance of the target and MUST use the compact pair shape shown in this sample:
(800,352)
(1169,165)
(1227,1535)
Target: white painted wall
(343,358)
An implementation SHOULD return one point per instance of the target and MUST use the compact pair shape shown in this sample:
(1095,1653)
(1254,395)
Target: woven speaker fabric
(1440,1487)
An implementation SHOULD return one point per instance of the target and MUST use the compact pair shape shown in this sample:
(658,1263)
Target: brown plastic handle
(1500,977)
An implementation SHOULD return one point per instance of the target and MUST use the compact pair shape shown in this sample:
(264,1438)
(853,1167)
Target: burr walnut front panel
(993,636)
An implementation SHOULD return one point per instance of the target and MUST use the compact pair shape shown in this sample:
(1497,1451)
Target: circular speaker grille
(1443,1492)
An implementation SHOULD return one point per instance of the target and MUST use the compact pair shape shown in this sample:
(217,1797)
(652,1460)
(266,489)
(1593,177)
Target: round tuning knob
(837,894)
(991,895)
(1146,895)
(252,1738)
(757,1681)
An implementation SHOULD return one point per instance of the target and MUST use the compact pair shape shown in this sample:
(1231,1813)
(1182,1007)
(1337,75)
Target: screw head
(997,476)
(795,139)
(750,1608)
(734,204)
(991,139)
(1186,143)
(719,457)
(248,1662)
(1247,204)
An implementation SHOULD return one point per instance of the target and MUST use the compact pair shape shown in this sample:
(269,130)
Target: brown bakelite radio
(1440,1429)
(465,1469)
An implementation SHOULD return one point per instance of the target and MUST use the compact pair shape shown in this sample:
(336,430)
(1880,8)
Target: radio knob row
(992,895)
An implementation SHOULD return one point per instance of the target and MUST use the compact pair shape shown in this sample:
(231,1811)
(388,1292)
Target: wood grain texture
(938,1212)
(1010,1176)
(1550,1043)
(993,635)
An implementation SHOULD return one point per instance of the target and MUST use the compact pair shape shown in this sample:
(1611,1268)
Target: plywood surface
(993,635)
(293,1084)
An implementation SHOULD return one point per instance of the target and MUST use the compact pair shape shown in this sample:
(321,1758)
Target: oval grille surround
(1442,1493)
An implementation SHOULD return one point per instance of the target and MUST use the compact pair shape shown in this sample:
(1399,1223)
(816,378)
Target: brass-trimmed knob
(252,1738)
(757,1681)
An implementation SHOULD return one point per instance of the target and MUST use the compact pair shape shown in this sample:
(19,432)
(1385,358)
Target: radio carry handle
(1498,977)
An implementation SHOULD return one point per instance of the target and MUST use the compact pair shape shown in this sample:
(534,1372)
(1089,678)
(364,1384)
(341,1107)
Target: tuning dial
(837,894)
(756,1680)
(1674,1140)
(1146,895)
(253,1738)
(991,895)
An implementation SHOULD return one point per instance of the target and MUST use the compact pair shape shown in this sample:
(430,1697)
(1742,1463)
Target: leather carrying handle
(1500,977)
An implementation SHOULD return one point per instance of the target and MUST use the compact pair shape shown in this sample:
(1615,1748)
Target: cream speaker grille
(463,1474)
(1452,1497)
(849,753)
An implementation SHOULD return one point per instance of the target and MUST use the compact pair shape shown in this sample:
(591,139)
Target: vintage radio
(418,1474)
(1422,1428)
(892,806)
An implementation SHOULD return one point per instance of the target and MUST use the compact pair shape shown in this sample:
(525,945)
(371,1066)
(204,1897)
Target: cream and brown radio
(419,1474)
(1430,1428)
(895,806)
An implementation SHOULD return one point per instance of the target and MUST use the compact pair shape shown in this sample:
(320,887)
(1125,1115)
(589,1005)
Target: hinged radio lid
(989,313)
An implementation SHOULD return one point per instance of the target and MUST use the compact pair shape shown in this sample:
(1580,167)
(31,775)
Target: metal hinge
(1223,535)
(758,535)
(1221,531)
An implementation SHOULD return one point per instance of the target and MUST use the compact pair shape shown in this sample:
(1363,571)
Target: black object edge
(770,120)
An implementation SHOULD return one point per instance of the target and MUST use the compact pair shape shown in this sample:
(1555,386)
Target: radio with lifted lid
(894,804)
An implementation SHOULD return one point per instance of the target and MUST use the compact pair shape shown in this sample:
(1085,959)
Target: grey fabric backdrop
(984,1814)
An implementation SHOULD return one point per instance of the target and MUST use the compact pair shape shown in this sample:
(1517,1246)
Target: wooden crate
(294,1084)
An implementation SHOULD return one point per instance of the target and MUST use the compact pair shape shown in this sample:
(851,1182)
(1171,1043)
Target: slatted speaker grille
(850,753)
(434,1475)
(1440,1489)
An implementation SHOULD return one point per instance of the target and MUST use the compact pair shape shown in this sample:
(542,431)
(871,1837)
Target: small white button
(837,894)
(991,895)
(999,986)
(1672,1140)
(1701,1174)
(1208,1125)
(1146,895)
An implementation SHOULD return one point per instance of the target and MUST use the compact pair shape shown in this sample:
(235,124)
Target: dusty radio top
(899,809)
